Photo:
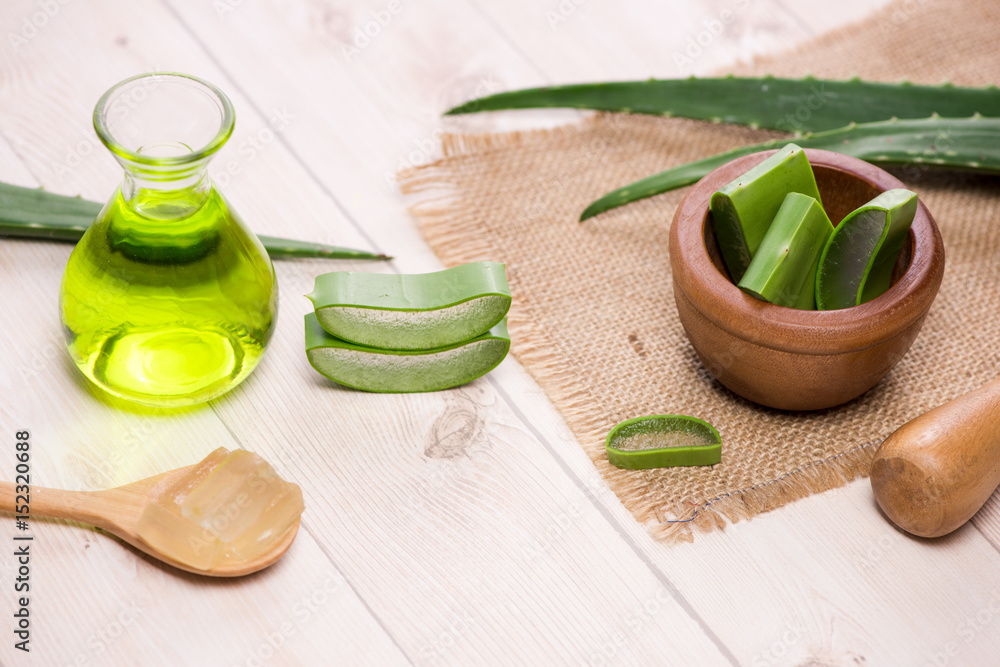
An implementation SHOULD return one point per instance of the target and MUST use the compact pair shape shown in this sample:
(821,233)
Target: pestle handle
(933,473)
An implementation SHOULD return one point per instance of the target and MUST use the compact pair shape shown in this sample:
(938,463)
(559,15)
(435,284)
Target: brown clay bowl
(800,359)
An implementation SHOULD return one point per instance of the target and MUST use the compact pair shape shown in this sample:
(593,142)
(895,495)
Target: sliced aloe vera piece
(783,271)
(743,209)
(857,262)
(663,441)
(404,371)
(412,311)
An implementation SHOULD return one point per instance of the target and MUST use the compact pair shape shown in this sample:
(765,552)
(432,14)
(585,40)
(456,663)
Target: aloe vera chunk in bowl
(742,210)
(412,311)
(783,270)
(856,265)
(404,371)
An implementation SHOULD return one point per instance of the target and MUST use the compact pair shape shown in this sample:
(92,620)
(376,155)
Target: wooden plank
(572,41)
(352,467)
(419,491)
(911,560)
(451,535)
(828,561)
(779,616)
(94,600)
(820,17)
(84,584)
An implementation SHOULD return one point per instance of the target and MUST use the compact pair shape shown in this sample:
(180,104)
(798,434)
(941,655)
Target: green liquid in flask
(168,300)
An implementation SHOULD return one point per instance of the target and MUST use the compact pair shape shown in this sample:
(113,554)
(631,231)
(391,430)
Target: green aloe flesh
(663,441)
(783,271)
(412,311)
(857,262)
(38,214)
(793,105)
(971,144)
(402,371)
(742,210)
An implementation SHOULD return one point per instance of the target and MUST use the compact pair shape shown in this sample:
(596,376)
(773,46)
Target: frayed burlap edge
(448,224)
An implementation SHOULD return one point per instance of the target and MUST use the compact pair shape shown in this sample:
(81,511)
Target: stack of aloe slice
(410,332)
(943,126)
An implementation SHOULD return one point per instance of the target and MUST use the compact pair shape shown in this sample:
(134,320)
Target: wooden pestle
(933,473)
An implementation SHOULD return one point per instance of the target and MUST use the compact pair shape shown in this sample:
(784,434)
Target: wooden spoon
(933,473)
(117,511)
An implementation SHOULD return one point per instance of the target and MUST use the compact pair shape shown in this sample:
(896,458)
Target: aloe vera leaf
(970,144)
(38,214)
(783,271)
(802,105)
(856,264)
(663,441)
(412,311)
(742,210)
(404,371)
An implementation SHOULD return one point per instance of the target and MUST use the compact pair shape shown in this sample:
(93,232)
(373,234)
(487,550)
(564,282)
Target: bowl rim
(789,329)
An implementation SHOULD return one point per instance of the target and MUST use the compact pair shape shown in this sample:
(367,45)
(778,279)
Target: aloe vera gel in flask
(168,299)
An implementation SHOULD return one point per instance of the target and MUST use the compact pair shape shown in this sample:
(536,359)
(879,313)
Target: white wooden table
(461,527)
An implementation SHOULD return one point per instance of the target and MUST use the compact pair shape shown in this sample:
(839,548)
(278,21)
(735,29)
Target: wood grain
(464,527)
(933,473)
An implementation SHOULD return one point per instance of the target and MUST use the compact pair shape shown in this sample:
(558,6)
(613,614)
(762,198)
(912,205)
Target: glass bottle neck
(159,191)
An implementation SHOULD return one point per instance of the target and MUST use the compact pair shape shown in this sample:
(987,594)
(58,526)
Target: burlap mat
(593,317)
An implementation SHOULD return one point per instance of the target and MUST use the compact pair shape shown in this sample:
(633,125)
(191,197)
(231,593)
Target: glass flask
(169,299)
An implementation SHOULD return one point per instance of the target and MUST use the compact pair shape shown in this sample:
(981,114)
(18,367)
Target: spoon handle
(55,503)
(933,473)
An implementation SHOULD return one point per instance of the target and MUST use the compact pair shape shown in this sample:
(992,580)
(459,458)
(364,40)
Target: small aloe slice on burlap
(783,271)
(412,311)
(663,441)
(743,209)
(857,262)
(404,371)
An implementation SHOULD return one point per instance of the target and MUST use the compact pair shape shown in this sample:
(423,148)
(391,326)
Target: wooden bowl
(800,359)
